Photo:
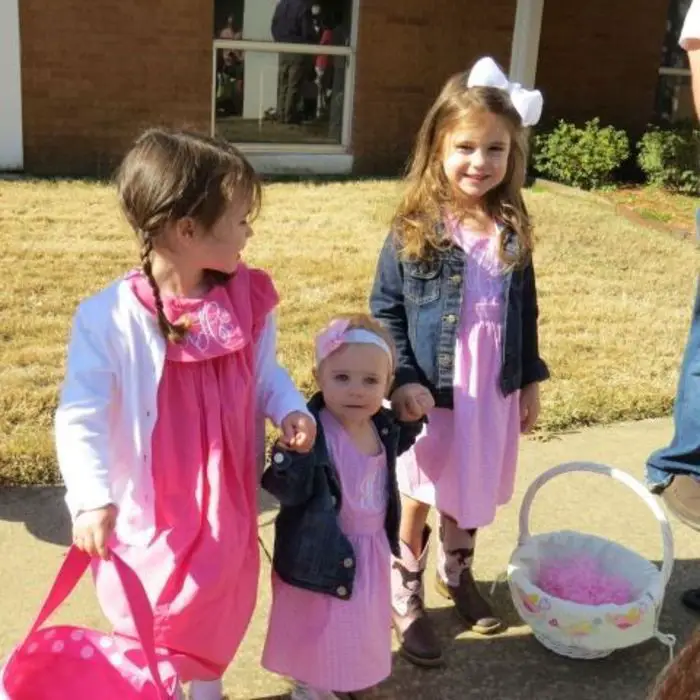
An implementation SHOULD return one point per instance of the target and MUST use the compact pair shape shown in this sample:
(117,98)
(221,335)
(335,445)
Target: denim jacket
(311,551)
(420,302)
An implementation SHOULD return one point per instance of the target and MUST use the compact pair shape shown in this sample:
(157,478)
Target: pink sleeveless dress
(201,569)
(332,644)
(465,460)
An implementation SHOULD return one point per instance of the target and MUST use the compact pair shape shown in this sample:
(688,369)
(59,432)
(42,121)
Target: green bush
(670,157)
(583,157)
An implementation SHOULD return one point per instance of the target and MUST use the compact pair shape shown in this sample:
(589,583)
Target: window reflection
(287,97)
(294,21)
(674,102)
(674,99)
(283,98)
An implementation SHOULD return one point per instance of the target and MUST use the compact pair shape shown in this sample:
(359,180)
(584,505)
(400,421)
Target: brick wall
(601,58)
(95,73)
(406,50)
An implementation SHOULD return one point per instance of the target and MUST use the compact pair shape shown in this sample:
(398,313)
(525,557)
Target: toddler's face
(354,381)
(475,157)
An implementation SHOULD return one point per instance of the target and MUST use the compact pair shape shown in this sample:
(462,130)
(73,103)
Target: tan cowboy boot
(415,632)
(455,581)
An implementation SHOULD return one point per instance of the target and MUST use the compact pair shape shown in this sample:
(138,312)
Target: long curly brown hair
(429,194)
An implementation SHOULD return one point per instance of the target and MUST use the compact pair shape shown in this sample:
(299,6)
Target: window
(674,99)
(282,71)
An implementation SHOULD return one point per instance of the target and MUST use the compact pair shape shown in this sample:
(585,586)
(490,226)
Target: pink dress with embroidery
(332,644)
(201,569)
(464,461)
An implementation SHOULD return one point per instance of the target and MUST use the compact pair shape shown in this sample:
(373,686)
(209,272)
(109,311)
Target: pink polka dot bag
(58,663)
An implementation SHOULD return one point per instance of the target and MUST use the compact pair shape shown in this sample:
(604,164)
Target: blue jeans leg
(682,456)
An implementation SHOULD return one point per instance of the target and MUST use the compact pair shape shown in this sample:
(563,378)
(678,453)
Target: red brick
(94,74)
(405,53)
(600,58)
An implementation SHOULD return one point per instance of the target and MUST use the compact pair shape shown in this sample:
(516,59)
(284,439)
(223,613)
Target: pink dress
(332,644)
(464,461)
(201,569)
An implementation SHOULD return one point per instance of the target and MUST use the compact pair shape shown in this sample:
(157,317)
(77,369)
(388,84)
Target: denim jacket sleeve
(290,476)
(534,367)
(387,306)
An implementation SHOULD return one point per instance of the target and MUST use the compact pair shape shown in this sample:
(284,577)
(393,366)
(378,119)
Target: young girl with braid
(167,370)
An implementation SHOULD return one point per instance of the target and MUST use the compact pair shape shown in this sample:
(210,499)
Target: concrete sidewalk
(34,531)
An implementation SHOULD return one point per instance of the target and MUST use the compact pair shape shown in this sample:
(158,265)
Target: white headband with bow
(528,103)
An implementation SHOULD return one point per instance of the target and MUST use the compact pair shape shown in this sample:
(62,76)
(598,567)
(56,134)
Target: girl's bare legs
(414,516)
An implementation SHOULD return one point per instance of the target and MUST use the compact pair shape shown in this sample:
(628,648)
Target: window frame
(348,51)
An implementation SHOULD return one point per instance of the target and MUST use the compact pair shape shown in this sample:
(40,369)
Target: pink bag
(61,663)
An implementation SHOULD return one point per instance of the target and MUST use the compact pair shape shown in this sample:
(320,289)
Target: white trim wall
(525,47)
(11,139)
(277,162)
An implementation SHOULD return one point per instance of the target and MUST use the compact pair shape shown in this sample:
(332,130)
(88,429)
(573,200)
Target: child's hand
(411,402)
(529,407)
(298,432)
(92,530)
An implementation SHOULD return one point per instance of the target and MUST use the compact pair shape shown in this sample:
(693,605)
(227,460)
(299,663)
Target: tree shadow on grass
(41,508)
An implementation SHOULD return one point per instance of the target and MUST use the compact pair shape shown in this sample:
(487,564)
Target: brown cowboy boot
(419,643)
(455,581)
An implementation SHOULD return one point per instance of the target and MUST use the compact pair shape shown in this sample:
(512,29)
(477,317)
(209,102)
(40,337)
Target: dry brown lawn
(615,299)
(656,204)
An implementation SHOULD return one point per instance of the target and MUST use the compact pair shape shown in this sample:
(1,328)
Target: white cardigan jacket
(108,406)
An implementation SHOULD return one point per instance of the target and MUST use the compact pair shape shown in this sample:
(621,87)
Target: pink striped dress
(465,460)
(331,644)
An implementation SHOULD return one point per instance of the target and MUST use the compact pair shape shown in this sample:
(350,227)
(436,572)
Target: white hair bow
(527,103)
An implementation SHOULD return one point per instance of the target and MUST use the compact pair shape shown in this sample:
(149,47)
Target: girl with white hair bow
(455,287)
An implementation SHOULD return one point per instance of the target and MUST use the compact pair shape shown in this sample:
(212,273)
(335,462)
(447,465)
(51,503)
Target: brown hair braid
(173,332)
(169,175)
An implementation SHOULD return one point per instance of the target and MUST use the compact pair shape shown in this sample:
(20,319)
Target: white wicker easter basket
(589,631)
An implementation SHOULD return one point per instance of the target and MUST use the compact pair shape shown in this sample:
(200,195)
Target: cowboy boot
(419,643)
(455,581)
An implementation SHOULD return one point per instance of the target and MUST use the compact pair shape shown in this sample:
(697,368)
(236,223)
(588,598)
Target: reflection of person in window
(322,64)
(230,32)
(229,84)
(229,73)
(680,461)
(317,21)
(291,24)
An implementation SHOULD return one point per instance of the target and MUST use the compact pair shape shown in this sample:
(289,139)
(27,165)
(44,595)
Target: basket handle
(617,475)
